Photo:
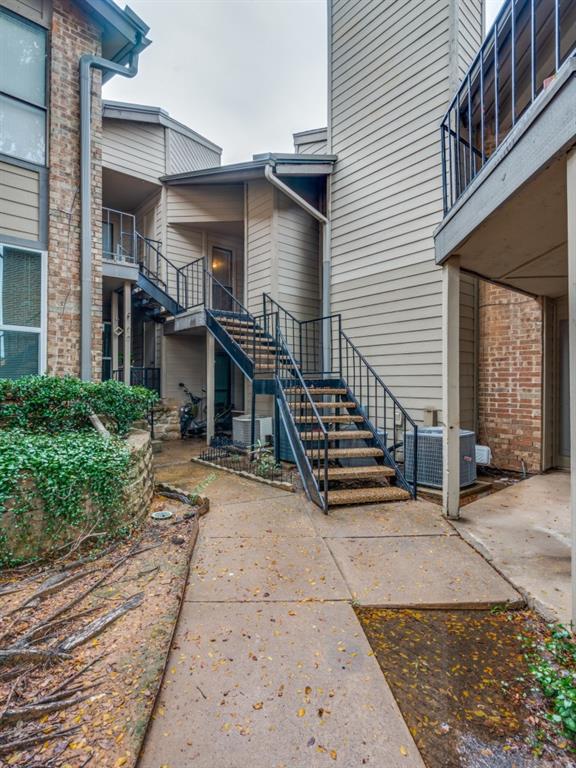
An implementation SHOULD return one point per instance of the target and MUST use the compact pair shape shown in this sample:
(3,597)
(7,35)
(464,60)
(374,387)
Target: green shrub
(54,404)
(56,474)
(552,664)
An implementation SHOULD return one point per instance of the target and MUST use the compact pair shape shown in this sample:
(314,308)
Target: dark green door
(222,381)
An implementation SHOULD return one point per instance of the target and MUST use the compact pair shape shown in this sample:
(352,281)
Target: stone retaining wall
(33,541)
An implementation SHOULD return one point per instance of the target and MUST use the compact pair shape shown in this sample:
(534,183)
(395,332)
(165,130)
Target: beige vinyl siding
(470,32)
(186,154)
(205,204)
(183,360)
(135,149)
(312,148)
(183,245)
(390,66)
(260,259)
(468,350)
(19,202)
(297,240)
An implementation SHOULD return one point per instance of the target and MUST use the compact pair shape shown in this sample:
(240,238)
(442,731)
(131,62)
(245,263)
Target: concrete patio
(270,666)
(524,531)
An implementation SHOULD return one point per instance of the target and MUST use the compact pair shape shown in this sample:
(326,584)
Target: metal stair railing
(314,343)
(157,268)
(385,416)
(191,284)
(294,399)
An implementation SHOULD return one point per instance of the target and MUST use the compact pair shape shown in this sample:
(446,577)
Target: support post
(210,386)
(115,322)
(451,386)
(571,246)
(127,330)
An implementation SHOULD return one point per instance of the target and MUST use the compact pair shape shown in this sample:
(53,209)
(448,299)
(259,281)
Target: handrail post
(340,345)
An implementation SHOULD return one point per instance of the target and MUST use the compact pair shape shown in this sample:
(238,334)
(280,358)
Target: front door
(223,271)
(222,381)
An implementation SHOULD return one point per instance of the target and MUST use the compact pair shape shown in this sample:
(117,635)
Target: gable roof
(143,113)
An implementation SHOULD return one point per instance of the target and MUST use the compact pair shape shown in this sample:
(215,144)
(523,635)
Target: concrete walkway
(270,667)
(524,531)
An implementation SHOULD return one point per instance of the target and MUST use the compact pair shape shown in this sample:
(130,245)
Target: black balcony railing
(527,45)
(141,377)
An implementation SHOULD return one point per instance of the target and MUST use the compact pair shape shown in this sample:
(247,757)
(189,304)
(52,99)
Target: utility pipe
(87,63)
(326,259)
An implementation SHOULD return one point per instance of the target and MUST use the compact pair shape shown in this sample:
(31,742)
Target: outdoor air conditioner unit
(242,429)
(430,462)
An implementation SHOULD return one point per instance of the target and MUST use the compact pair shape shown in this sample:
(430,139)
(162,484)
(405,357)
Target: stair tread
(334,404)
(317,391)
(367,495)
(328,419)
(352,434)
(351,473)
(344,453)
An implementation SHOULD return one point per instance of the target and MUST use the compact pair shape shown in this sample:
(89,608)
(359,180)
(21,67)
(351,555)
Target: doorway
(222,381)
(223,271)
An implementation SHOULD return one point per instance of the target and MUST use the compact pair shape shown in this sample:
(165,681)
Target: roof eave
(318,165)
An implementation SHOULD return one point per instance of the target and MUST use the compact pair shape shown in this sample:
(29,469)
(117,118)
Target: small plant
(552,664)
(265,465)
(195,493)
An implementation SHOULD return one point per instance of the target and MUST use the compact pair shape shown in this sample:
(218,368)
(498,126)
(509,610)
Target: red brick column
(510,378)
(72,34)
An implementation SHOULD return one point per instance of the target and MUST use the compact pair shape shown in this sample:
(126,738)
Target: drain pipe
(87,63)
(326,260)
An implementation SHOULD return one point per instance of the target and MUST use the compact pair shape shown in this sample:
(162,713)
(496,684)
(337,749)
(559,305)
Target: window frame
(40,330)
(43,107)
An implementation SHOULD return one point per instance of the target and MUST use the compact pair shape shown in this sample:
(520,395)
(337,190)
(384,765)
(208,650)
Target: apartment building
(50,296)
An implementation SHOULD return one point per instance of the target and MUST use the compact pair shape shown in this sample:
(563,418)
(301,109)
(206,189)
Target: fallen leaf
(258,705)
(403,751)
(301,712)
(333,754)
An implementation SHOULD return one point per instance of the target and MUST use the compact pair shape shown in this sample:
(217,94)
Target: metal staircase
(352,440)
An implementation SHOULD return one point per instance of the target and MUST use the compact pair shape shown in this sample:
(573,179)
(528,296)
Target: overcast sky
(244,73)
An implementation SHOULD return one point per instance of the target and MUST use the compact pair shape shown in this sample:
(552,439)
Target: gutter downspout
(326,256)
(87,62)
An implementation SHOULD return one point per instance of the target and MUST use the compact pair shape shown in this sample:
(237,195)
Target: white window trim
(41,330)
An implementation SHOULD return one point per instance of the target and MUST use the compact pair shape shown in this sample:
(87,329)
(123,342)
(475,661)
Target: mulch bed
(83,645)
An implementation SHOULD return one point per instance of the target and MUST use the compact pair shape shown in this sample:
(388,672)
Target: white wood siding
(390,65)
(297,239)
(19,202)
(185,154)
(136,149)
(260,256)
(205,204)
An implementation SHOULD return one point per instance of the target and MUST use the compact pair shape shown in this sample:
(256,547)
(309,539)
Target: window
(22,89)
(21,312)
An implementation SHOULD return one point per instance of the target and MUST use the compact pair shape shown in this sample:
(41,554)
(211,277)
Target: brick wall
(72,34)
(510,377)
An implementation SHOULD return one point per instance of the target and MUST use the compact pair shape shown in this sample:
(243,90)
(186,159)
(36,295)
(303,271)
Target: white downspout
(326,237)
(88,62)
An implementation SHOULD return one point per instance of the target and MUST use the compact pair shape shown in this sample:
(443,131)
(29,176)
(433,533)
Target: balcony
(149,378)
(119,239)
(519,59)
